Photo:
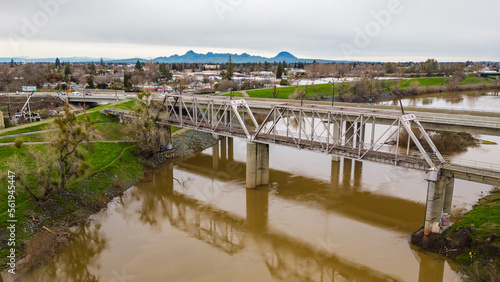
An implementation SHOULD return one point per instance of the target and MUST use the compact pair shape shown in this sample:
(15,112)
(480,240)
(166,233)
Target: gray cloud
(448,29)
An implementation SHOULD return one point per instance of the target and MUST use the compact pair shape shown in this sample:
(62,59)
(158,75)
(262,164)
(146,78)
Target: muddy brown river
(318,220)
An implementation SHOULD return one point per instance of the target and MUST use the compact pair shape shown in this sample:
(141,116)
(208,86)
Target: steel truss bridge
(330,130)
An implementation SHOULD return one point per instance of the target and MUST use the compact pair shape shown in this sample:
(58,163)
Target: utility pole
(84,105)
(8,97)
(333,92)
(371,90)
(29,108)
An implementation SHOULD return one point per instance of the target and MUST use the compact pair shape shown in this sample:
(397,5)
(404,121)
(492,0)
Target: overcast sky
(382,30)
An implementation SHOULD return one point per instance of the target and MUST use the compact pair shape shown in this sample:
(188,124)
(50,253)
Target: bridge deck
(344,151)
(476,174)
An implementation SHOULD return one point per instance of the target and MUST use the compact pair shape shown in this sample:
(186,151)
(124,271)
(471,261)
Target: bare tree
(61,163)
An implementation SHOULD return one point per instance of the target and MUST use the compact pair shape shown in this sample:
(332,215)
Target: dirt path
(180,131)
(27,133)
(41,143)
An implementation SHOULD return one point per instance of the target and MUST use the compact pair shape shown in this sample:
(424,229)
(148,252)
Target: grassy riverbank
(472,241)
(481,253)
(113,169)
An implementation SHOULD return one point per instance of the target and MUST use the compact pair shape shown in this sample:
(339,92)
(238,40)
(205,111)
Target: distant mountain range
(189,57)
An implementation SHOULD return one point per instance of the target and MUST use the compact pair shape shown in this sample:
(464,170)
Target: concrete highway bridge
(349,132)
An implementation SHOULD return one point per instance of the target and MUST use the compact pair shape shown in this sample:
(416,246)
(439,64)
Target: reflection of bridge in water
(343,194)
(286,257)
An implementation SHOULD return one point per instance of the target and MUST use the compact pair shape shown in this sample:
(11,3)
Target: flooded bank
(475,100)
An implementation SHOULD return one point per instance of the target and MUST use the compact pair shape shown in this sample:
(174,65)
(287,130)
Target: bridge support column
(448,194)
(437,186)
(257,167)
(165,137)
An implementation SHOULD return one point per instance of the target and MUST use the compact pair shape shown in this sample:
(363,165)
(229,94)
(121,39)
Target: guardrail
(441,108)
(476,164)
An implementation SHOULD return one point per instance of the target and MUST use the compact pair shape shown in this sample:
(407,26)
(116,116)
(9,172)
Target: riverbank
(43,228)
(473,241)
(396,94)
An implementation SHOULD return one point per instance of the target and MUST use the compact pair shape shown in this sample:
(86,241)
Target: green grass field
(128,105)
(424,82)
(112,131)
(285,92)
(36,127)
(471,79)
(235,94)
(96,117)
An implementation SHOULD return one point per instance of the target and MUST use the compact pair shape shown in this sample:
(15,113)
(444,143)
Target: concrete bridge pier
(439,191)
(257,167)
(448,194)
(166,136)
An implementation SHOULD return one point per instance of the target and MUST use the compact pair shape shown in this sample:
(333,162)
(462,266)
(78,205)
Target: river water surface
(194,220)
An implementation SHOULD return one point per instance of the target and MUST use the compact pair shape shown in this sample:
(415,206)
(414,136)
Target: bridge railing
(476,164)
